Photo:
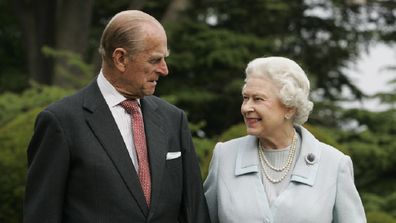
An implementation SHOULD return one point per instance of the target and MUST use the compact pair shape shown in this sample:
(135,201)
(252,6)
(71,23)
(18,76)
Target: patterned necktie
(139,137)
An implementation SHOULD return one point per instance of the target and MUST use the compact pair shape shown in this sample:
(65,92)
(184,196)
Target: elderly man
(113,152)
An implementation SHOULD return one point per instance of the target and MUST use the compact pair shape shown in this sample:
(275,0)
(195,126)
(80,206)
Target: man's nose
(163,68)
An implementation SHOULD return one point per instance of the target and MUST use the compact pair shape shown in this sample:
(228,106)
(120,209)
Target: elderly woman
(280,172)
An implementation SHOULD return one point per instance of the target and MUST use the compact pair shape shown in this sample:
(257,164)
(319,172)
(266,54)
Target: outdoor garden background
(48,49)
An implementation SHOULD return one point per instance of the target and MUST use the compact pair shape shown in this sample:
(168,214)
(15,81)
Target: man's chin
(149,92)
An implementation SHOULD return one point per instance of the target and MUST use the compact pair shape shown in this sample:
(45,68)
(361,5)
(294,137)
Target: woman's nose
(246,107)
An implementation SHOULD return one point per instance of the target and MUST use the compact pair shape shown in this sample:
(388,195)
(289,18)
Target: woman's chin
(251,131)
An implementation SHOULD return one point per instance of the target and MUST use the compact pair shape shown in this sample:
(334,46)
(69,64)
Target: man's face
(144,68)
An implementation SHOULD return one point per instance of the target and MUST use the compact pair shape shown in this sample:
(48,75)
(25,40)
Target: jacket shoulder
(327,151)
(161,103)
(233,144)
(331,152)
(68,104)
(237,141)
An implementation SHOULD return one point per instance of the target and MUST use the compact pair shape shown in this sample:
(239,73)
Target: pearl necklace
(265,163)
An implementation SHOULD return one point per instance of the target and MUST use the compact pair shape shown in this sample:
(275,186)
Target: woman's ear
(290,112)
(120,59)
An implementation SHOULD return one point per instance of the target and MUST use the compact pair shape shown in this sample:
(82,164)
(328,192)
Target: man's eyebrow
(160,55)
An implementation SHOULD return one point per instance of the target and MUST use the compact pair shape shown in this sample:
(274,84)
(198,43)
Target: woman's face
(261,108)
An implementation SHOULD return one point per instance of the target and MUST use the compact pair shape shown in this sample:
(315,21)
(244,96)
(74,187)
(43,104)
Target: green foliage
(202,56)
(17,116)
(14,138)
(204,147)
(376,203)
(379,217)
(70,61)
(373,146)
(13,79)
(12,105)
(369,139)
(296,30)
(206,65)
(233,132)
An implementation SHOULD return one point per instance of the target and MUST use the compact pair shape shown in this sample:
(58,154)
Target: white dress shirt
(124,122)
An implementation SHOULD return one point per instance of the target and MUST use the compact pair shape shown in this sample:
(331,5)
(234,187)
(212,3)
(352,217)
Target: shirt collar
(111,95)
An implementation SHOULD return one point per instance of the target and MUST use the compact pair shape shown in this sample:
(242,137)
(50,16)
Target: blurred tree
(72,26)
(12,70)
(309,31)
(175,11)
(72,29)
(206,67)
(58,24)
(211,46)
(37,22)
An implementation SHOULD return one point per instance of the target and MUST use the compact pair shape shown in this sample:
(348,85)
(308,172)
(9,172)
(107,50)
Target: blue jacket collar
(307,163)
(247,157)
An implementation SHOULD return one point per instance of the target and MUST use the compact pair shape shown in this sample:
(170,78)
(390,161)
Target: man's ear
(120,59)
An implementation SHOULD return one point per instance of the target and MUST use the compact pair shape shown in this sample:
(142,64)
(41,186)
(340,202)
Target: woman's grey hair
(290,79)
(125,30)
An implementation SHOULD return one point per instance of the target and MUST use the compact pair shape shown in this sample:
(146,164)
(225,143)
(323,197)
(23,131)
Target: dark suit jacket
(80,170)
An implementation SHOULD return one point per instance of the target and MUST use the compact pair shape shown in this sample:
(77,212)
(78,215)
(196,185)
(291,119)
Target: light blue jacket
(322,191)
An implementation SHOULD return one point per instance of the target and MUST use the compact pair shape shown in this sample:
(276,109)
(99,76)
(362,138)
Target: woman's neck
(278,140)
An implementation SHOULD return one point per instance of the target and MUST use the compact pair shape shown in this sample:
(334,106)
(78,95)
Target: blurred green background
(49,50)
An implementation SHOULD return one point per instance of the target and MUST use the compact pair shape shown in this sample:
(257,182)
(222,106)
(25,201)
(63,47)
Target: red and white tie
(139,138)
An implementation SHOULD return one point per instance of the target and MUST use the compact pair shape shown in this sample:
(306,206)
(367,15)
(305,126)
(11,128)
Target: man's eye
(155,61)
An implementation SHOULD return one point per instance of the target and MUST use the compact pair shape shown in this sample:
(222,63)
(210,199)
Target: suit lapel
(103,125)
(305,172)
(246,161)
(156,145)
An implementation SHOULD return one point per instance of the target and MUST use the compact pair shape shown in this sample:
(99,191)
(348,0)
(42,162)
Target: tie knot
(130,105)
